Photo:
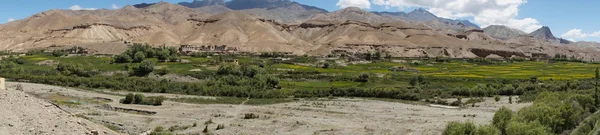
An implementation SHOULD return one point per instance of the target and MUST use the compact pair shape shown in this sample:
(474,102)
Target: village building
(207,48)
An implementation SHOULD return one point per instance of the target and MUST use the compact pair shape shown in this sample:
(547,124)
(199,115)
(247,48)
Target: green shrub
(486,130)
(138,98)
(128,98)
(139,57)
(523,128)
(59,53)
(162,71)
(459,128)
(122,58)
(501,118)
(144,68)
(363,78)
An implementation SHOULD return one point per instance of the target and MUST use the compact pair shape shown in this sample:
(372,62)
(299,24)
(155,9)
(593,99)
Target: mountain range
(282,26)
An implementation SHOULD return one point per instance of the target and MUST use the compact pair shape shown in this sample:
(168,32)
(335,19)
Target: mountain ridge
(351,30)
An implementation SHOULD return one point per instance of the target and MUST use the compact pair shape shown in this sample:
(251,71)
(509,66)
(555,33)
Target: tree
(368,56)
(128,99)
(139,57)
(163,55)
(421,79)
(250,71)
(533,79)
(363,78)
(501,118)
(58,53)
(229,69)
(486,130)
(522,128)
(174,58)
(144,68)
(413,81)
(162,71)
(597,101)
(326,65)
(377,55)
(122,58)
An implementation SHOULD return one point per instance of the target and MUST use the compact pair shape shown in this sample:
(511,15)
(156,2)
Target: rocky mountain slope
(423,16)
(543,33)
(284,11)
(351,30)
(503,32)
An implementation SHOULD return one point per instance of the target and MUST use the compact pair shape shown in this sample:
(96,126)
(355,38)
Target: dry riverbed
(324,116)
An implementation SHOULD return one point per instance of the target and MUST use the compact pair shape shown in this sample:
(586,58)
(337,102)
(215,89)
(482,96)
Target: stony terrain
(23,114)
(322,116)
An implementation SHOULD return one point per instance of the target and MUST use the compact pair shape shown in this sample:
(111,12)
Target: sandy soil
(23,114)
(326,116)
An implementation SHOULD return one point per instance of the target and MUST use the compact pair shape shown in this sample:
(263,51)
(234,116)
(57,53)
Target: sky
(575,20)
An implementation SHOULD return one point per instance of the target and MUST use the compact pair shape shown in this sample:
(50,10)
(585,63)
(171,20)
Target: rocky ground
(23,114)
(323,116)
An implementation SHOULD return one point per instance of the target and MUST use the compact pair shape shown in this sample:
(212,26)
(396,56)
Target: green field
(457,73)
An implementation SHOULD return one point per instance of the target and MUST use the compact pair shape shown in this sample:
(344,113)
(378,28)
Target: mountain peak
(543,33)
(353,9)
(503,32)
(420,10)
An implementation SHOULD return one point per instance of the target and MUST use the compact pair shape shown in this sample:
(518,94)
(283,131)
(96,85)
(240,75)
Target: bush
(156,101)
(142,100)
(250,116)
(522,128)
(144,68)
(325,65)
(138,98)
(128,99)
(501,118)
(205,129)
(139,57)
(458,128)
(363,78)
(58,53)
(162,71)
(220,126)
(486,130)
(122,58)
(163,55)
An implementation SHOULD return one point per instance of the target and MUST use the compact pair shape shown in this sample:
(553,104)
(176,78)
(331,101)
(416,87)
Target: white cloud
(77,7)
(114,6)
(355,3)
(578,34)
(11,19)
(484,12)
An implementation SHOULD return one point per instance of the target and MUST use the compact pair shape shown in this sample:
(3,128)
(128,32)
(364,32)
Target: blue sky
(573,19)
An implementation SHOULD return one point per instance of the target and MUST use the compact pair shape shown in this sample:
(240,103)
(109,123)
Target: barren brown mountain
(351,30)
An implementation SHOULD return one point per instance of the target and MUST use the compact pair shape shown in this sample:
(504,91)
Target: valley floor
(302,116)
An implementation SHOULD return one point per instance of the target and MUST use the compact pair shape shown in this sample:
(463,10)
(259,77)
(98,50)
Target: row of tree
(139,52)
